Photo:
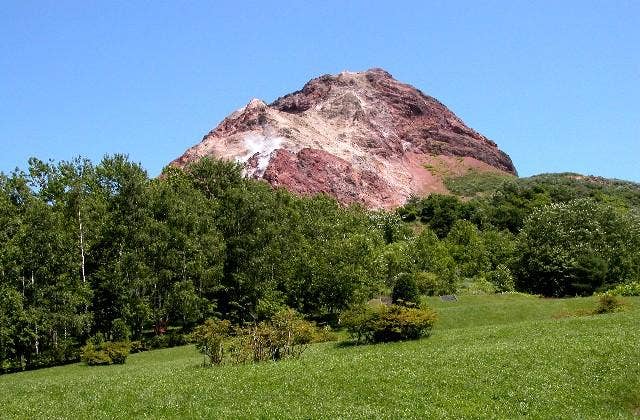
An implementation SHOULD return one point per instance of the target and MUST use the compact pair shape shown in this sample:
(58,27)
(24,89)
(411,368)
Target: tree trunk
(84,279)
(37,343)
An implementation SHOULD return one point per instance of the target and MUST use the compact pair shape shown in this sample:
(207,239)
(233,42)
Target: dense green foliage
(286,335)
(210,337)
(625,289)
(556,235)
(498,356)
(506,203)
(104,249)
(577,248)
(405,290)
(88,249)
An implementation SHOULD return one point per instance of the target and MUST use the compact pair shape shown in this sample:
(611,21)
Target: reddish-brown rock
(360,137)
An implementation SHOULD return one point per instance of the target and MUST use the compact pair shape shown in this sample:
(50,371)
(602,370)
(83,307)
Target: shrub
(163,341)
(608,304)
(97,339)
(358,322)
(92,356)
(117,351)
(120,330)
(105,353)
(627,289)
(501,279)
(137,347)
(431,284)
(324,334)
(158,342)
(405,290)
(209,339)
(177,339)
(286,335)
(367,324)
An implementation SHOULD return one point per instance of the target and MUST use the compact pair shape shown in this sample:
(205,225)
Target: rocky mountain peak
(358,136)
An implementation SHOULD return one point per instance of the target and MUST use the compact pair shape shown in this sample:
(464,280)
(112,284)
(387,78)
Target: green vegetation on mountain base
(89,250)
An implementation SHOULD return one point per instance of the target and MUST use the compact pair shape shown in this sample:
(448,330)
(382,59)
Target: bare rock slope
(360,137)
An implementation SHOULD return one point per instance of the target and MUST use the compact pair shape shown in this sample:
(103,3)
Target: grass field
(504,356)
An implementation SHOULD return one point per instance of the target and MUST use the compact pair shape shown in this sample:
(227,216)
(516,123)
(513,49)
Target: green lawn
(490,357)
(473,311)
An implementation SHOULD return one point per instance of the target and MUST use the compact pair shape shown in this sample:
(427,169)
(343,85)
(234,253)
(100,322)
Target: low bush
(163,341)
(209,339)
(178,339)
(105,353)
(92,356)
(137,347)
(431,284)
(117,351)
(284,335)
(608,304)
(159,341)
(626,289)
(324,334)
(367,324)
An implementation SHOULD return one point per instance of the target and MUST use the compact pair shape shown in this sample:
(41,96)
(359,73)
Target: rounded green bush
(367,324)
(405,290)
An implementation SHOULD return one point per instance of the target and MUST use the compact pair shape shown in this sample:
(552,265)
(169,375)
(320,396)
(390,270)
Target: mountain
(360,137)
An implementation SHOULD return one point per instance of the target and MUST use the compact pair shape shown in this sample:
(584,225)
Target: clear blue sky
(555,83)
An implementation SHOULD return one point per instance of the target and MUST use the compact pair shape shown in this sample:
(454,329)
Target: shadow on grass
(345,344)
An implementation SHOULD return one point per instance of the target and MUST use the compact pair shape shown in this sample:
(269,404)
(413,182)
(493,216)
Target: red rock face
(312,171)
(360,137)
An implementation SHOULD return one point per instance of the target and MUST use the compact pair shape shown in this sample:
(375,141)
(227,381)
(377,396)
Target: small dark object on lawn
(448,298)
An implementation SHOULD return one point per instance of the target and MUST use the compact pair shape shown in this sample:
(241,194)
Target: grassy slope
(498,356)
(475,183)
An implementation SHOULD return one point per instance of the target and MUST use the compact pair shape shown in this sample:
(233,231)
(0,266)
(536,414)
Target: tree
(576,248)
(432,255)
(397,258)
(513,202)
(121,278)
(16,331)
(441,211)
(405,291)
(468,249)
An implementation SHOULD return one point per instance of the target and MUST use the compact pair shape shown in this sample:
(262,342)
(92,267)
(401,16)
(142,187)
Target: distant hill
(560,186)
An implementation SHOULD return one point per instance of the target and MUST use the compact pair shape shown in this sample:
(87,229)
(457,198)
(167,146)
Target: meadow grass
(502,356)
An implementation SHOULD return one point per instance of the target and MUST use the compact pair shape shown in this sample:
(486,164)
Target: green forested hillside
(103,251)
